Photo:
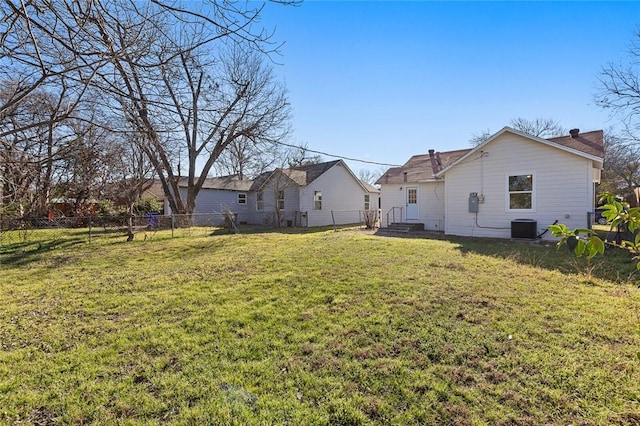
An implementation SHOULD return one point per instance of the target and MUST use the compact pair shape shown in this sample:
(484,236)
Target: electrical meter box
(473,202)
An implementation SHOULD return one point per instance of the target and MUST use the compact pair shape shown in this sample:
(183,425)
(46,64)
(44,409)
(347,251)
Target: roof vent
(574,133)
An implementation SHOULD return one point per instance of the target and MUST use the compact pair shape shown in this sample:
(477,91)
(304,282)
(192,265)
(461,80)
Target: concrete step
(404,227)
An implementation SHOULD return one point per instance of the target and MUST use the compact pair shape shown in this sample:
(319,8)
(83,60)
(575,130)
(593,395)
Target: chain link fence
(25,233)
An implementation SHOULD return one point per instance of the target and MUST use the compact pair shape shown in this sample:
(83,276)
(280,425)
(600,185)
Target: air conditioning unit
(524,228)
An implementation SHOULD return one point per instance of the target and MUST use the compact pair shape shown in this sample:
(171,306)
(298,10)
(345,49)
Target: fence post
(90,229)
(172,224)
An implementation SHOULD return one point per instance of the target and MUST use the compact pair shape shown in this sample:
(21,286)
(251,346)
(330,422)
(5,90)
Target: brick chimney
(434,162)
(574,133)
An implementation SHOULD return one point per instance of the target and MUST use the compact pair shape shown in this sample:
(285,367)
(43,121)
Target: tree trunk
(130,235)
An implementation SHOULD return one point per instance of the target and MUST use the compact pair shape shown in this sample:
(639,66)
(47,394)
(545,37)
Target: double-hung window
(280,200)
(367,201)
(521,192)
(317,200)
(259,204)
(242,198)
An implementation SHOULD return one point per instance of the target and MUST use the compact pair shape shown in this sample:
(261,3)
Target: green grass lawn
(316,328)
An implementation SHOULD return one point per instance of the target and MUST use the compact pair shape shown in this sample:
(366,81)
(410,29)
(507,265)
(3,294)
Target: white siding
(341,193)
(392,195)
(214,202)
(431,203)
(267,216)
(563,188)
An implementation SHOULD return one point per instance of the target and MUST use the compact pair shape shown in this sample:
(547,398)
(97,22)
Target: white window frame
(280,199)
(259,200)
(367,202)
(508,192)
(317,200)
(242,198)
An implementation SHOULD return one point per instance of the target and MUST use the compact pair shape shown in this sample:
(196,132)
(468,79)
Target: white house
(512,185)
(310,195)
(217,196)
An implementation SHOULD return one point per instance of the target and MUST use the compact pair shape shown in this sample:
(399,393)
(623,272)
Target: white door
(412,203)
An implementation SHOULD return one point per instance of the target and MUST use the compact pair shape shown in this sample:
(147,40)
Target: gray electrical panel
(473,202)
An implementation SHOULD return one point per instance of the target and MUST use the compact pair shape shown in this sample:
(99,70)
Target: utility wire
(277,143)
(337,156)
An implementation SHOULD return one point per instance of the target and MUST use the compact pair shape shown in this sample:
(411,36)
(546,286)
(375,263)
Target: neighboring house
(310,195)
(512,185)
(217,196)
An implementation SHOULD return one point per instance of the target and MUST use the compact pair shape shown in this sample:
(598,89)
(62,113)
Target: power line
(338,156)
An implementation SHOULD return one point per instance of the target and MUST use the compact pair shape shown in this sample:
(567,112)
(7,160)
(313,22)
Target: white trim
(417,203)
(507,200)
(516,132)
(317,200)
(259,200)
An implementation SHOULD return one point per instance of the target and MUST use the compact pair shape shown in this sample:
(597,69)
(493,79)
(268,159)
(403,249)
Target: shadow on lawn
(615,265)
(21,254)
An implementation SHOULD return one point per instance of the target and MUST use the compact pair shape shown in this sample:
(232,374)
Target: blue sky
(381,81)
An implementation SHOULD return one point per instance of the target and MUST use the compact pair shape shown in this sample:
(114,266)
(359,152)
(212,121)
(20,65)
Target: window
(521,194)
(280,200)
(367,201)
(242,198)
(317,200)
(412,196)
(259,201)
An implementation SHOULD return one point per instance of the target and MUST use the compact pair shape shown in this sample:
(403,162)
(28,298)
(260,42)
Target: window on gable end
(521,192)
(281,200)
(259,203)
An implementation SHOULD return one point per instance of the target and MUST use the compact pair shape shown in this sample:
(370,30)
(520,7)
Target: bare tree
(135,55)
(300,155)
(621,174)
(539,127)
(245,158)
(478,138)
(190,100)
(132,175)
(31,150)
(619,91)
(370,176)
(243,102)
(59,44)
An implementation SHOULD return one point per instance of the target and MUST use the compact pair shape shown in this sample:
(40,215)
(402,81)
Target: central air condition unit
(524,228)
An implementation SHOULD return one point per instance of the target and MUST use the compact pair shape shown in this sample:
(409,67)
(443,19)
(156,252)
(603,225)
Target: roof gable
(589,145)
(314,171)
(306,174)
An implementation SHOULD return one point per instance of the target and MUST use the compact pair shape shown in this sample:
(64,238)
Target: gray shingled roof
(228,183)
(301,175)
(313,171)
